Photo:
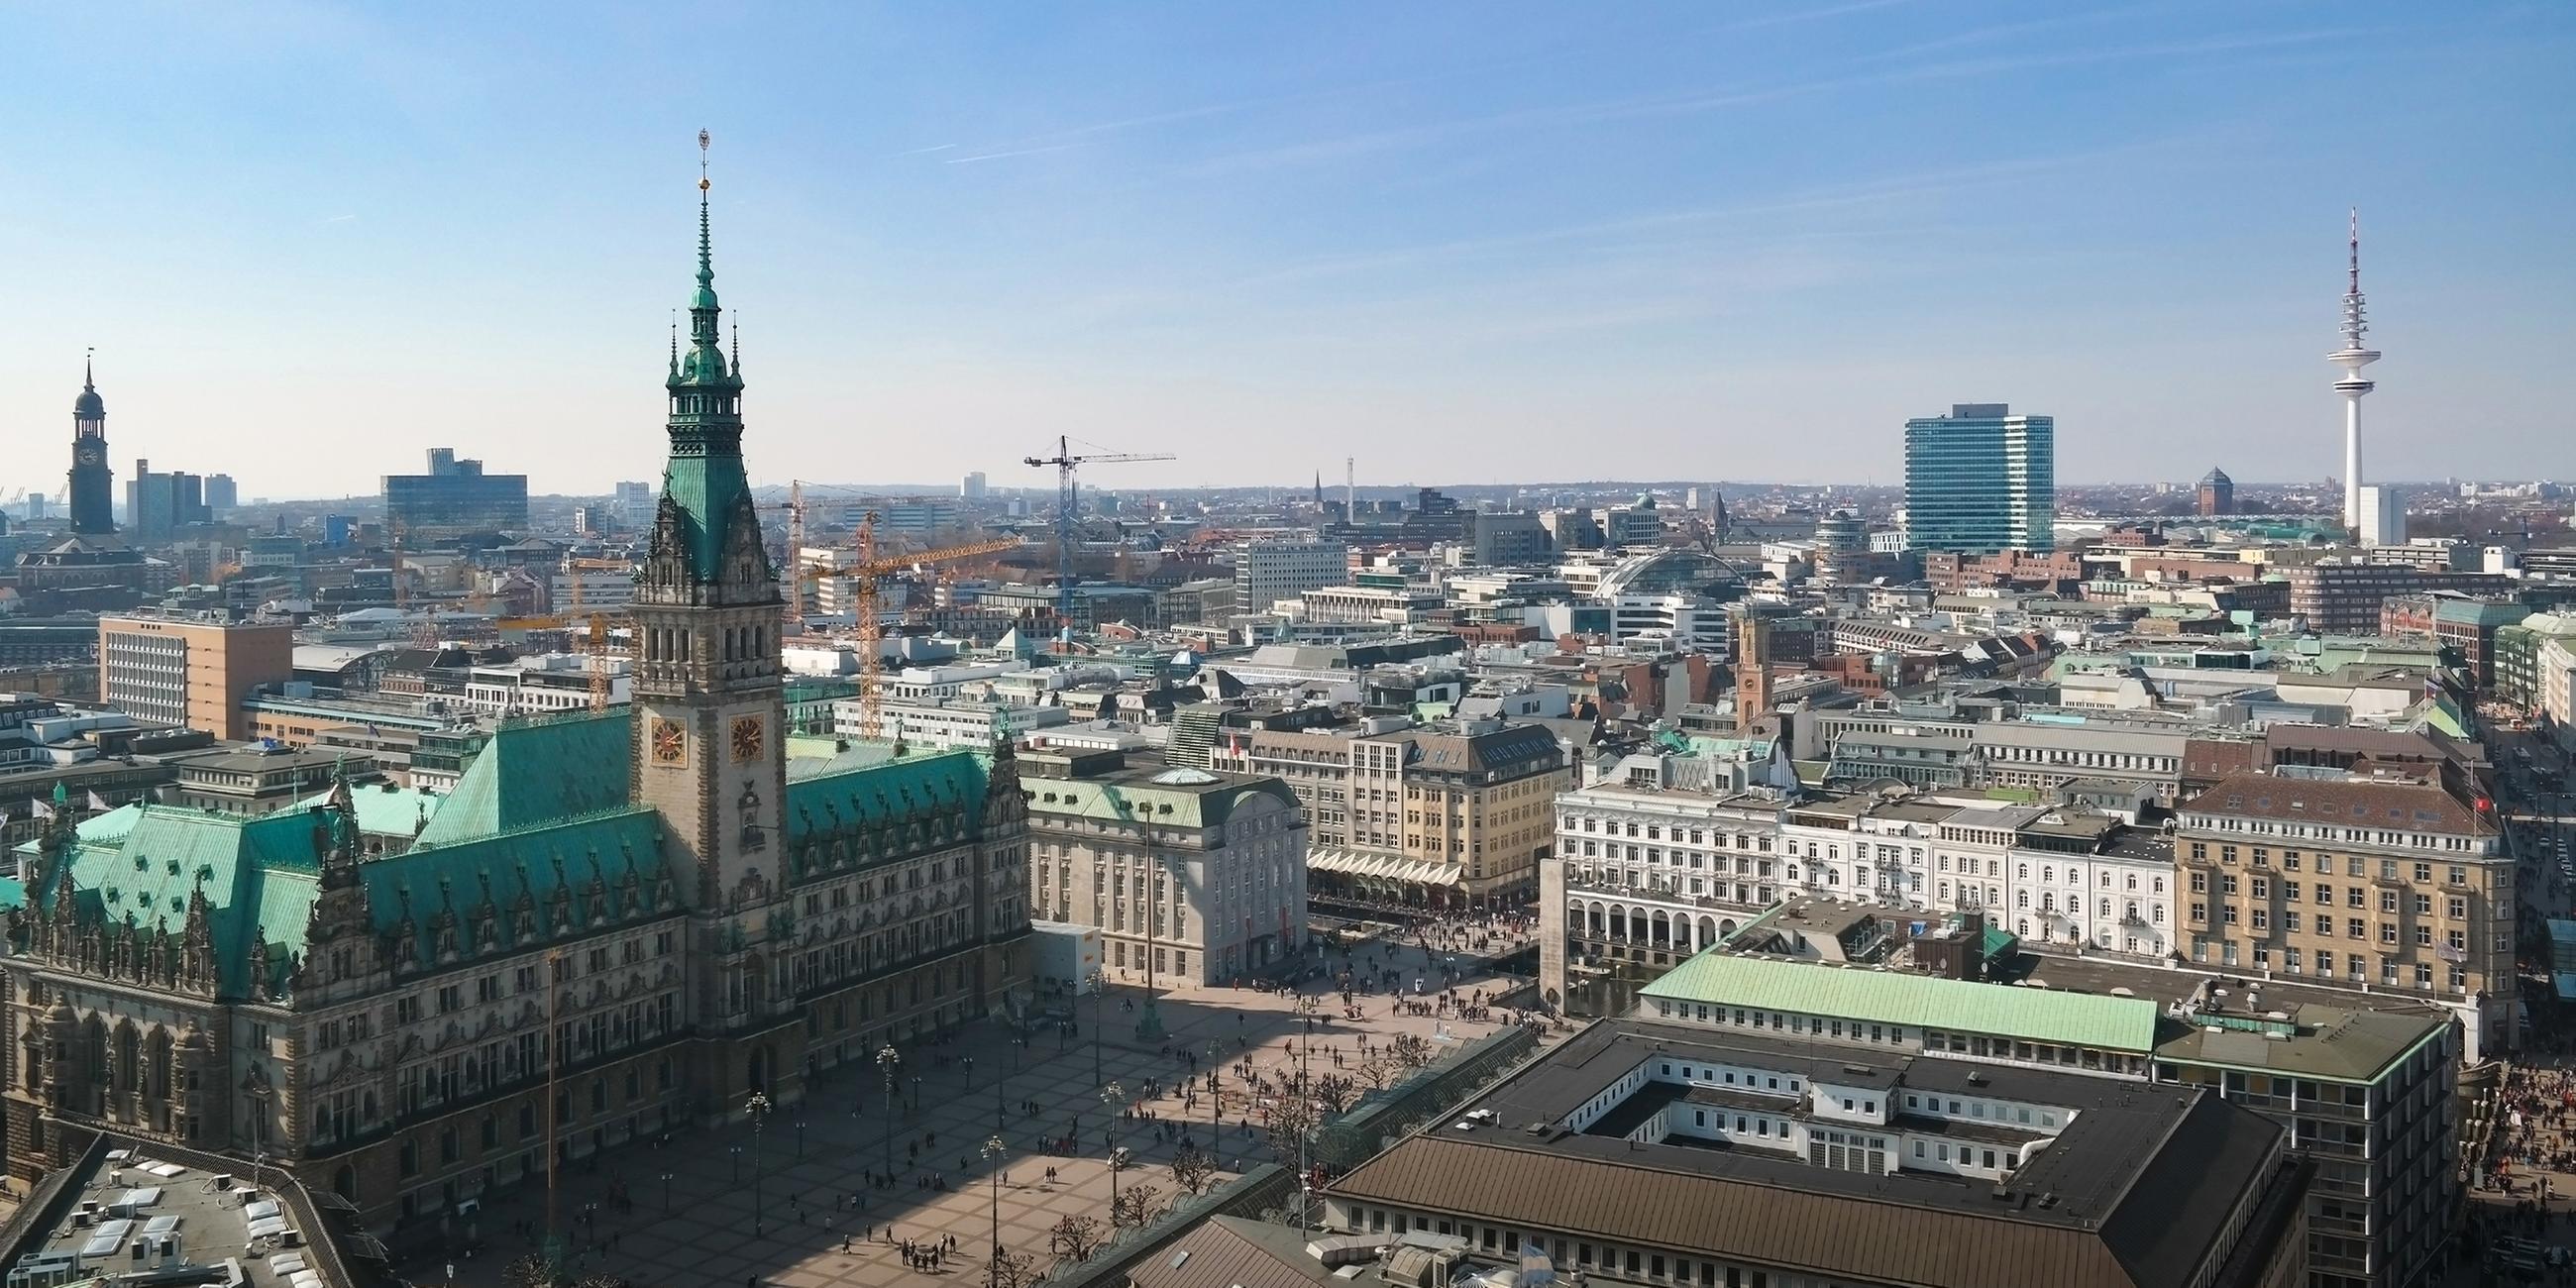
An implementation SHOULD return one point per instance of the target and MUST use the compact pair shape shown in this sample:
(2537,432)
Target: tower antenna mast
(2352,357)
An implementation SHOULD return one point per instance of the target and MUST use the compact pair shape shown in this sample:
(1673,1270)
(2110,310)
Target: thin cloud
(1560,117)
(936,147)
(1012,152)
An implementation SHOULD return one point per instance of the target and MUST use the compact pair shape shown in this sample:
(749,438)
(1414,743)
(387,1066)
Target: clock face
(670,742)
(89,453)
(748,738)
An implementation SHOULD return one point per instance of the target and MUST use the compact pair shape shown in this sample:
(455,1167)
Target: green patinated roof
(380,812)
(539,771)
(13,895)
(1916,1001)
(873,791)
(259,875)
(565,854)
(1141,800)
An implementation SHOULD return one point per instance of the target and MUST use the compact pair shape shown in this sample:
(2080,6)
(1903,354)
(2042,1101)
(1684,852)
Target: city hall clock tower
(709,711)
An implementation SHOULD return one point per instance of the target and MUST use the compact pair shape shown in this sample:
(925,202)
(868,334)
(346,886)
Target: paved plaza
(694,1205)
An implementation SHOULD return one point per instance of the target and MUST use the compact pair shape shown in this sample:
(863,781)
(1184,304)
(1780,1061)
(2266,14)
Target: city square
(776,1206)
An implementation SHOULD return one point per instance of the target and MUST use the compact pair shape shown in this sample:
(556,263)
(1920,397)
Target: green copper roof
(259,876)
(565,873)
(1186,804)
(703,480)
(533,772)
(1915,1001)
(380,812)
(942,785)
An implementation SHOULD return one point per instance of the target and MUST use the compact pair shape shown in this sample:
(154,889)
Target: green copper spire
(704,478)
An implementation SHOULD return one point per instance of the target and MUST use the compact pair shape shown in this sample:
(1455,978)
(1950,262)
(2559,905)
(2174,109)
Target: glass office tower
(1980,480)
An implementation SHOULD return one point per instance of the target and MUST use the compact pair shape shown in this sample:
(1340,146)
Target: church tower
(92,484)
(708,708)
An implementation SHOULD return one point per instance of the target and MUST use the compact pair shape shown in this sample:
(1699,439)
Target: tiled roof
(1917,1001)
(2380,803)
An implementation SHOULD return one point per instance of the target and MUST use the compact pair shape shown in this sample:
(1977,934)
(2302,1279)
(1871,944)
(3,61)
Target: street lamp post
(1110,1096)
(993,1153)
(758,1107)
(1216,1097)
(800,1138)
(1099,998)
(916,1095)
(889,1060)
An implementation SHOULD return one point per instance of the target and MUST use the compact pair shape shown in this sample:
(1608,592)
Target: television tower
(2352,357)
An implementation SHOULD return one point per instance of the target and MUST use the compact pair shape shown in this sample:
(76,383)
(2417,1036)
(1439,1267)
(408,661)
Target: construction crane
(863,587)
(601,687)
(1067,501)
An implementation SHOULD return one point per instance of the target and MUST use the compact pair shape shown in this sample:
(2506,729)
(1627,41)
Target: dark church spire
(92,484)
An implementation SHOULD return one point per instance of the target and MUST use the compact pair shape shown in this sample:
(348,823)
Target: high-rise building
(92,485)
(222,495)
(2217,494)
(2351,358)
(157,505)
(193,674)
(2381,520)
(972,488)
(1268,571)
(1980,480)
(455,497)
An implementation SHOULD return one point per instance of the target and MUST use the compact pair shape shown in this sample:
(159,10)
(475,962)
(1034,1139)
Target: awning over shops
(1394,868)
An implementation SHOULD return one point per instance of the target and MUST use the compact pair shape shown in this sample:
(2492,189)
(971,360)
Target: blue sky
(1464,243)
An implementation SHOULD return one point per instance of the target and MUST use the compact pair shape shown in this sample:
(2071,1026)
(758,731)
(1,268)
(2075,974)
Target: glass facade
(1980,480)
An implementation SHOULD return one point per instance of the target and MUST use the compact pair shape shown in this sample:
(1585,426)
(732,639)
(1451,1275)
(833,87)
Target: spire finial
(706,250)
(89,368)
(675,342)
(737,343)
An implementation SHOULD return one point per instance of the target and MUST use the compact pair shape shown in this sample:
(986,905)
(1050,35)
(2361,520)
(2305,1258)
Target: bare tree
(1014,1270)
(1336,1094)
(530,1271)
(1411,1050)
(1378,1069)
(1137,1204)
(1194,1171)
(1289,1120)
(1075,1238)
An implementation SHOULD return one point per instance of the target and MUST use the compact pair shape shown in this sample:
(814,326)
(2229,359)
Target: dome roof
(89,406)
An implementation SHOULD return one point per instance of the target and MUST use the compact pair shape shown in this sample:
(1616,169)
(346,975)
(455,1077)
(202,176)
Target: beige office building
(190,673)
